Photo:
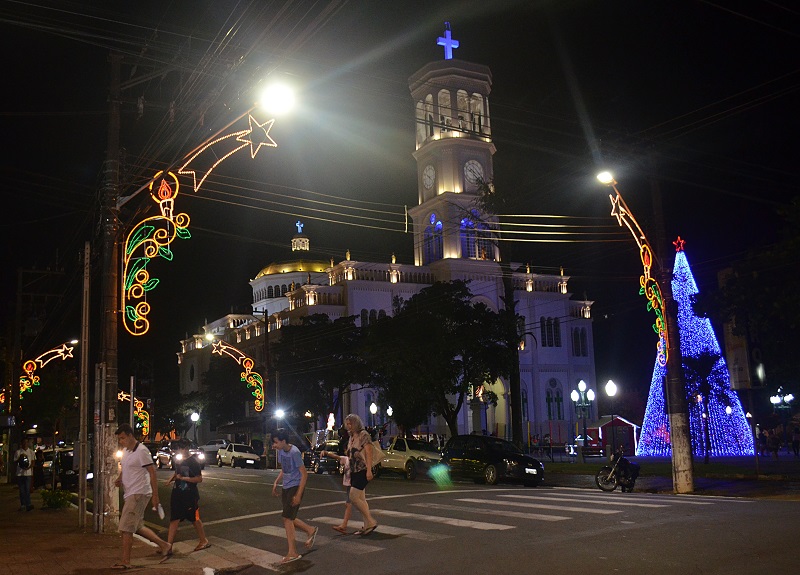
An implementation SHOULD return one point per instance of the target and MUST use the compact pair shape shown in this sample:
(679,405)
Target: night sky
(694,94)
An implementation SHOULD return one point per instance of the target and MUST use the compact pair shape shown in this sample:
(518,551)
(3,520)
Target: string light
(252,378)
(718,410)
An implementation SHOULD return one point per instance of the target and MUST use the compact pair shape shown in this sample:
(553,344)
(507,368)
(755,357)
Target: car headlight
(201,456)
(179,456)
(425,459)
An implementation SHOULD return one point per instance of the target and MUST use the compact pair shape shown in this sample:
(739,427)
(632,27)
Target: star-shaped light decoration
(258,136)
(679,243)
(616,208)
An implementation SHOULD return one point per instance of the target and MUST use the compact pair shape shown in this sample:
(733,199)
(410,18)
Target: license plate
(531,471)
(250,462)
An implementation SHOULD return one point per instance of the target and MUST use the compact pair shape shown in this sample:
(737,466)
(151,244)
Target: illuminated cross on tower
(447,42)
(299,225)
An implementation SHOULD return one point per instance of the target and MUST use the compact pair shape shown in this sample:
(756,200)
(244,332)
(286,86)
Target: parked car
(490,459)
(210,449)
(591,447)
(153,447)
(239,454)
(409,457)
(168,455)
(66,467)
(320,464)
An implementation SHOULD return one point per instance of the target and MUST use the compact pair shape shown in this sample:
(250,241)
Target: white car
(212,447)
(239,454)
(409,457)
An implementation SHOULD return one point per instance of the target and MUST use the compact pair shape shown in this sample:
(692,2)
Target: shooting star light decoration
(252,378)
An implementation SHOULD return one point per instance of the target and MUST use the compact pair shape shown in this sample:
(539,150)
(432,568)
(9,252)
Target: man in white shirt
(138,479)
(23,458)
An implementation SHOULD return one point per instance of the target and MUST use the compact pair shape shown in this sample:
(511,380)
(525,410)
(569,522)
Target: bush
(56,498)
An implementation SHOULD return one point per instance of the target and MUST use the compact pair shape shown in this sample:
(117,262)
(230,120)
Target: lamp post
(660,301)
(781,404)
(389,412)
(195,417)
(611,391)
(749,417)
(583,398)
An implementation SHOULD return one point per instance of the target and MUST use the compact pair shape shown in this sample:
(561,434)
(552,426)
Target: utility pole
(512,341)
(107,509)
(83,452)
(678,411)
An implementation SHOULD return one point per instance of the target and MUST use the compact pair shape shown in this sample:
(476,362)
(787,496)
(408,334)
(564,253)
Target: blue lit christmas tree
(717,422)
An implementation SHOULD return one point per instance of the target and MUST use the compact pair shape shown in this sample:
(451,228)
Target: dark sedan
(320,463)
(490,459)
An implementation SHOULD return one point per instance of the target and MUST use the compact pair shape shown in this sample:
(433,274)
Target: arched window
(381,314)
(269,291)
(557,332)
(373,316)
(543,330)
(445,108)
(584,343)
(576,342)
(433,249)
(284,289)
(559,404)
(548,397)
(524,402)
(364,318)
(549,332)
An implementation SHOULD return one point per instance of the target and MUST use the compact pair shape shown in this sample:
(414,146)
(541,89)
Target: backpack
(23,462)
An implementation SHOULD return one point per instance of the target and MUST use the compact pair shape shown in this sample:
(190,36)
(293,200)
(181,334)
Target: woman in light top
(359,450)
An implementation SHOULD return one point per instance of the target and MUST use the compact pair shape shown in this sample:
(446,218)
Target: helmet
(23,462)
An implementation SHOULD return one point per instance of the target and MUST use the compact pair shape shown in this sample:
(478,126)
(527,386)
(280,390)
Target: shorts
(358,480)
(184,507)
(132,517)
(289,510)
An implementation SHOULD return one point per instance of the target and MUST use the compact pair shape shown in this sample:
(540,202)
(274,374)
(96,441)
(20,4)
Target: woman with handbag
(359,450)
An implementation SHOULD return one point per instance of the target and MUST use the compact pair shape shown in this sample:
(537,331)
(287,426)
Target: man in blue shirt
(294,476)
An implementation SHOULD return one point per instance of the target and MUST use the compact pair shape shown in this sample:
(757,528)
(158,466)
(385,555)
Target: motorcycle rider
(629,470)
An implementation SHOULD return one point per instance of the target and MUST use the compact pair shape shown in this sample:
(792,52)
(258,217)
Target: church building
(453,149)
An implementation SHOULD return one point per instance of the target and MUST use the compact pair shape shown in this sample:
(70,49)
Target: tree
(317,363)
(436,349)
(759,297)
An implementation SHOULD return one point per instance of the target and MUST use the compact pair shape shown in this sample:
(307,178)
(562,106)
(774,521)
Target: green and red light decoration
(138,410)
(252,378)
(30,379)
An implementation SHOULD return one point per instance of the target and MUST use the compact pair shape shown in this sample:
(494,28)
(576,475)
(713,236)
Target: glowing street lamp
(373,409)
(781,403)
(277,99)
(583,398)
(195,417)
(611,391)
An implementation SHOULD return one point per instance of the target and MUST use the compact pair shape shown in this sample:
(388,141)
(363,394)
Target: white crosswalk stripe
(543,506)
(349,544)
(670,499)
(254,555)
(584,500)
(500,512)
(399,531)
(483,526)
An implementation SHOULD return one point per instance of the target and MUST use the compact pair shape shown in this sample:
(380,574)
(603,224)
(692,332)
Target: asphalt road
(469,528)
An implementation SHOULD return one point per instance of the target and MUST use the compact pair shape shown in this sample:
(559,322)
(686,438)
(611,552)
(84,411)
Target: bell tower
(454,156)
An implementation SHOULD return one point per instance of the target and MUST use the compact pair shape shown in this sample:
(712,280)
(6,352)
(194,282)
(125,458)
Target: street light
(660,301)
(389,412)
(373,409)
(195,417)
(583,398)
(611,391)
(781,404)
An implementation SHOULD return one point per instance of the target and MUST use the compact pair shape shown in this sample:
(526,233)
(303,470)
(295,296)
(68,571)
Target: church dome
(293,266)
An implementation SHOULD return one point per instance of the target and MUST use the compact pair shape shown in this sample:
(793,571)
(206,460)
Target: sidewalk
(49,542)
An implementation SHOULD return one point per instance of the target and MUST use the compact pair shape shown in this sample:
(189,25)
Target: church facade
(453,240)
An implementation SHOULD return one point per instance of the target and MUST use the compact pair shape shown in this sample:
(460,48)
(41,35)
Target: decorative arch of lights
(252,378)
(30,379)
(138,410)
(648,285)
(152,237)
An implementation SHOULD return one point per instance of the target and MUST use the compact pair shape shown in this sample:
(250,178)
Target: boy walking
(185,498)
(294,476)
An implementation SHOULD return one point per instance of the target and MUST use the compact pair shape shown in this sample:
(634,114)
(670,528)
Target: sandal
(340,529)
(287,559)
(311,538)
(200,547)
(367,531)
(121,566)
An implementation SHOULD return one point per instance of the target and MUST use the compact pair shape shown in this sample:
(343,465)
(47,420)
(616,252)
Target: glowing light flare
(251,378)
(212,154)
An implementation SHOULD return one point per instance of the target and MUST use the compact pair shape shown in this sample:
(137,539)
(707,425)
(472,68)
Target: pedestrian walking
(344,463)
(763,441)
(185,497)
(137,477)
(294,476)
(38,469)
(774,443)
(359,450)
(23,457)
(796,441)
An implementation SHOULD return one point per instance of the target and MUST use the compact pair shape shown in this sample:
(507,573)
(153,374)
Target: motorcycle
(621,472)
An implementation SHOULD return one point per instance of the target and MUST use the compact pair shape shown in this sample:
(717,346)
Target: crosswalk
(439,518)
